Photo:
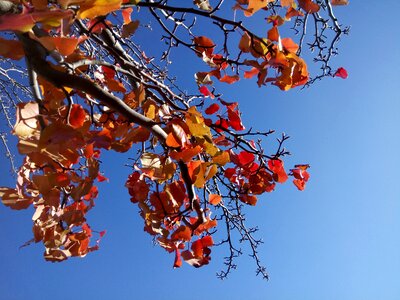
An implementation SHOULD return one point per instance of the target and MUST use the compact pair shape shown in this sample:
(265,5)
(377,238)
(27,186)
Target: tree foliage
(91,86)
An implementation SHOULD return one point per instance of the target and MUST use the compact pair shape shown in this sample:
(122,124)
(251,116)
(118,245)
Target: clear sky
(339,239)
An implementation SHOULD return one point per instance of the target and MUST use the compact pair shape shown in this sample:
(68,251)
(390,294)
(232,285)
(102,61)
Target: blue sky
(339,239)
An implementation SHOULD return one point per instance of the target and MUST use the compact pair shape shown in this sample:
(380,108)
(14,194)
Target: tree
(93,87)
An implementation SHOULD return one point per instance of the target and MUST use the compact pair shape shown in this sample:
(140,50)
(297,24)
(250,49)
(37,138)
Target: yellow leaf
(94,8)
(256,5)
(222,159)
(195,122)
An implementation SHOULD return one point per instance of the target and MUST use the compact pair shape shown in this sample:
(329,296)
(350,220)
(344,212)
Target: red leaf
(109,73)
(309,6)
(342,73)
(221,123)
(77,116)
(204,90)
(243,159)
(276,166)
(204,45)
(178,259)
(183,233)
(300,184)
(248,199)
(101,178)
(234,120)
(213,108)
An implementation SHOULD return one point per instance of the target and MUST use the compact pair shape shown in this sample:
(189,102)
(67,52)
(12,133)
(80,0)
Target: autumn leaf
(255,5)
(248,199)
(339,2)
(64,45)
(234,120)
(203,4)
(214,199)
(289,45)
(243,159)
(204,45)
(229,79)
(126,15)
(186,154)
(130,28)
(341,72)
(213,108)
(26,123)
(183,233)
(279,173)
(12,199)
(177,137)
(24,21)
(11,49)
(273,34)
(94,8)
(309,6)
(245,43)
(251,73)
(205,91)
(286,3)
(77,116)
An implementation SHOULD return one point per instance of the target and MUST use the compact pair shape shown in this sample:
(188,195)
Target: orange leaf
(222,159)
(171,141)
(177,137)
(273,34)
(339,2)
(186,154)
(94,8)
(183,233)
(255,5)
(309,6)
(204,45)
(300,184)
(287,2)
(214,199)
(126,15)
(251,73)
(77,116)
(229,79)
(289,45)
(245,43)
(292,12)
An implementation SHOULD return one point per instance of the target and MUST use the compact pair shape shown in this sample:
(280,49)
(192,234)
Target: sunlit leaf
(309,6)
(214,199)
(94,8)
